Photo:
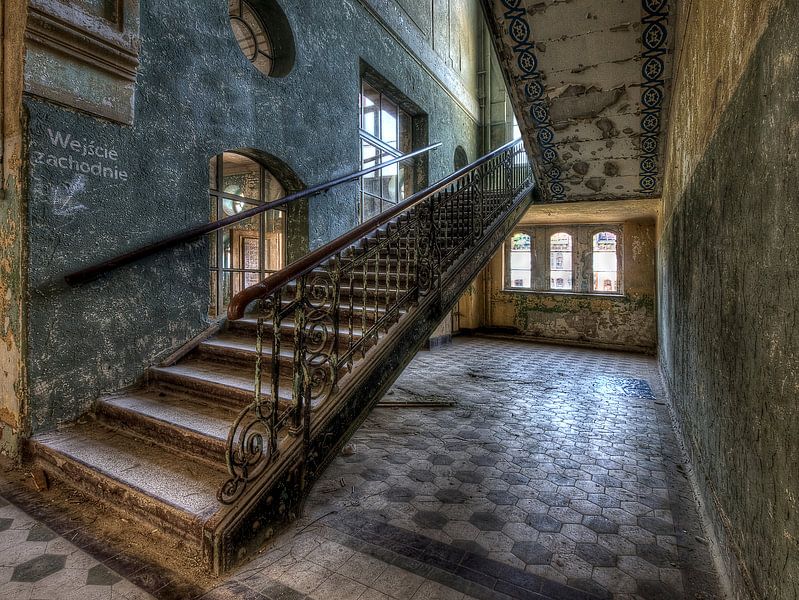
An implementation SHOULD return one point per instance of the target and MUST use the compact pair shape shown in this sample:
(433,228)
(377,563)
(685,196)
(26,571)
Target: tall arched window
(521,261)
(245,253)
(605,262)
(560,261)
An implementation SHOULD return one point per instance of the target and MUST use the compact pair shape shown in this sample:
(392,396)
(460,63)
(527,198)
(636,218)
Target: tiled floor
(37,564)
(554,475)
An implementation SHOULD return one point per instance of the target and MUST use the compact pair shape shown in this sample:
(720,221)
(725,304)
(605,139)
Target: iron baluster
(298,374)
(277,306)
(417,242)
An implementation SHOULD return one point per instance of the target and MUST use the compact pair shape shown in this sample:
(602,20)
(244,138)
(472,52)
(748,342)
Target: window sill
(557,293)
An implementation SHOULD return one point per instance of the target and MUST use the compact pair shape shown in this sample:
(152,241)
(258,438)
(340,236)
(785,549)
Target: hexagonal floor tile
(102,575)
(38,568)
(532,553)
(596,555)
(468,476)
(544,522)
(451,496)
(441,459)
(399,494)
(601,524)
(486,521)
(502,498)
(430,519)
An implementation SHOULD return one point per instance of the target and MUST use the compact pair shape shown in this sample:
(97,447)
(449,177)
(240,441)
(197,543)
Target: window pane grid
(246,252)
(386,132)
(560,261)
(523,272)
(521,261)
(605,263)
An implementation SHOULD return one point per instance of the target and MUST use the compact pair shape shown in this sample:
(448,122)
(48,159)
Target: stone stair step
(182,422)
(162,488)
(229,384)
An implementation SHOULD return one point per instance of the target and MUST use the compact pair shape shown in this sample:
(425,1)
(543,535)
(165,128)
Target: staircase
(219,447)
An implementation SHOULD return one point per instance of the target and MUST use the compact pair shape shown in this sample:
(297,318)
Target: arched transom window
(605,262)
(521,260)
(251,35)
(560,261)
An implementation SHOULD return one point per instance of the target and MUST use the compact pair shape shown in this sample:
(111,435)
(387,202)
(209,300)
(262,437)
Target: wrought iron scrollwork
(251,443)
(340,307)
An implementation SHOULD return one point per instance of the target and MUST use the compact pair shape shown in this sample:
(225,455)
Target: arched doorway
(245,253)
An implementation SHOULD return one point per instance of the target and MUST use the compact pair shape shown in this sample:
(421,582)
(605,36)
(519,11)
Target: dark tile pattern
(558,462)
(102,575)
(38,568)
(489,574)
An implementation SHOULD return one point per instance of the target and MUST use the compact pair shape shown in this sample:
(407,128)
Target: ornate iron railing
(342,298)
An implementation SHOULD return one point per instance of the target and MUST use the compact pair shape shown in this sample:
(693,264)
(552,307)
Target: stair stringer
(239,530)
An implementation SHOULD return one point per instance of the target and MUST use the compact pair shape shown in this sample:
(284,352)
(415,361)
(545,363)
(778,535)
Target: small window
(605,263)
(251,35)
(560,261)
(521,261)
(263,35)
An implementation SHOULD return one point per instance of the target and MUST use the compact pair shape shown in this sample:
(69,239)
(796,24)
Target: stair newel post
(298,372)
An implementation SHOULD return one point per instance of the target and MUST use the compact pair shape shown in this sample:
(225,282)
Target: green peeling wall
(196,96)
(729,283)
(625,321)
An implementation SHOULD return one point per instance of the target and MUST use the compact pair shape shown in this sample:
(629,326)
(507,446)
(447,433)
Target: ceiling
(609,211)
(589,81)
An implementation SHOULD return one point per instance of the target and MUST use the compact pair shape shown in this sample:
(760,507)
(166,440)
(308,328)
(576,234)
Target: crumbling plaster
(728,286)
(13,385)
(95,338)
(580,72)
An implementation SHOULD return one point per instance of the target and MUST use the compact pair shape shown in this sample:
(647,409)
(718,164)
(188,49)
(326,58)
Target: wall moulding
(84,54)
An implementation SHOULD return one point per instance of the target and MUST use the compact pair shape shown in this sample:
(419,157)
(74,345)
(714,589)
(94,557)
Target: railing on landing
(345,296)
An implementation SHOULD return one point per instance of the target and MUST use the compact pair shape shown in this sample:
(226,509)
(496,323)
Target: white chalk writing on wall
(85,156)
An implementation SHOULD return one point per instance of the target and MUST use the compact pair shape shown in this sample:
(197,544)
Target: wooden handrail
(91,273)
(309,262)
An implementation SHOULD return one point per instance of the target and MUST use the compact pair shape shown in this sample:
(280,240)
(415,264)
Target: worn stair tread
(202,418)
(165,476)
(230,376)
(250,320)
(246,343)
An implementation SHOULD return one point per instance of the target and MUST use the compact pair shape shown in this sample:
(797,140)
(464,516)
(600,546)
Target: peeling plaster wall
(13,387)
(197,96)
(729,286)
(588,81)
(625,321)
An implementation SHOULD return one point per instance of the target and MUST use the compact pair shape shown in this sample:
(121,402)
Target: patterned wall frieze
(527,77)
(655,14)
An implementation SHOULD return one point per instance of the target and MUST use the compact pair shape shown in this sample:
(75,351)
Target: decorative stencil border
(519,31)
(654,38)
